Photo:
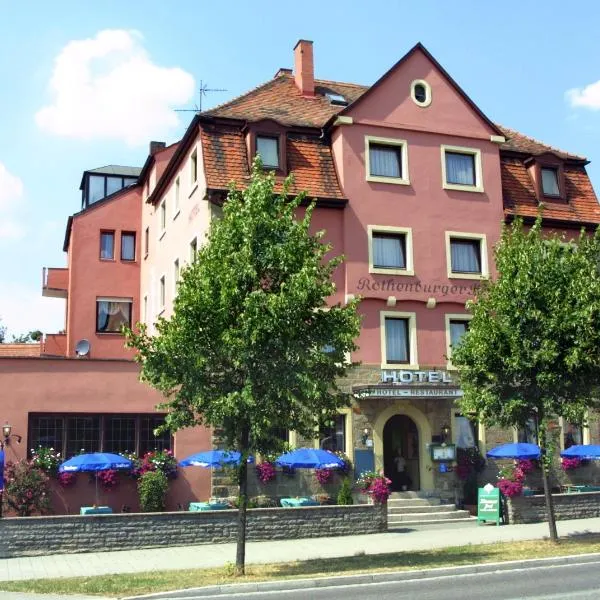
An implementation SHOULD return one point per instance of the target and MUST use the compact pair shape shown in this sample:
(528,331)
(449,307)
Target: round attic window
(420,93)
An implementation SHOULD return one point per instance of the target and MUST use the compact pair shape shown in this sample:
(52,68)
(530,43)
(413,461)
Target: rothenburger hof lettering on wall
(366,284)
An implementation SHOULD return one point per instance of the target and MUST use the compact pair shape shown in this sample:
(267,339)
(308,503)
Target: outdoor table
(95,510)
(294,502)
(199,506)
(576,489)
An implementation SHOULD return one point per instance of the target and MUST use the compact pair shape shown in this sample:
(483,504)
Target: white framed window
(194,167)
(390,250)
(163,217)
(573,433)
(112,314)
(268,148)
(386,160)
(550,185)
(193,249)
(398,339)
(162,292)
(456,326)
(461,169)
(466,255)
(420,92)
(176,273)
(176,197)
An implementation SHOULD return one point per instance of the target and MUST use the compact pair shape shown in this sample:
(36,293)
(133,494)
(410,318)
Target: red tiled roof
(279,99)
(310,160)
(517,142)
(18,350)
(520,198)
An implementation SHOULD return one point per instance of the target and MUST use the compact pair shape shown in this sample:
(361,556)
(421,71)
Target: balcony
(55,344)
(55,282)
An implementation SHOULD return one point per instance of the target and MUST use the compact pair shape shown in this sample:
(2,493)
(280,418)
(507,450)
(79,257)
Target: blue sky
(88,84)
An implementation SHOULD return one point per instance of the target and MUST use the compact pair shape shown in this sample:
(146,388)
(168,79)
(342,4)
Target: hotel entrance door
(401,453)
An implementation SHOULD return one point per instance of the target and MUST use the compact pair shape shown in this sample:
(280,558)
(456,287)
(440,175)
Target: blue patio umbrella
(518,451)
(213,458)
(95,461)
(583,451)
(310,458)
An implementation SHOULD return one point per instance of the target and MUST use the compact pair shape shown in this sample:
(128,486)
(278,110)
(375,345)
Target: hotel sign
(403,383)
(415,377)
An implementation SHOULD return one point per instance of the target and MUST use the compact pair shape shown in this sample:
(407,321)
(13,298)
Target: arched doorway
(400,433)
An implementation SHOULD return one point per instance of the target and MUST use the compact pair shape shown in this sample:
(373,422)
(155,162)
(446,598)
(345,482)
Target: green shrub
(264,502)
(345,493)
(26,489)
(152,490)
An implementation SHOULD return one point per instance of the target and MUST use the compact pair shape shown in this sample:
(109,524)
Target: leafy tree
(26,338)
(2,332)
(251,346)
(533,345)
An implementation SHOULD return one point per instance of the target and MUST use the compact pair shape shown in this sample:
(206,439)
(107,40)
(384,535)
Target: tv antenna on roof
(202,90)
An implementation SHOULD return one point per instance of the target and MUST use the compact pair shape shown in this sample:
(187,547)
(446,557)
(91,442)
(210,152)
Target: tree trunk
(547,494)
(240,558)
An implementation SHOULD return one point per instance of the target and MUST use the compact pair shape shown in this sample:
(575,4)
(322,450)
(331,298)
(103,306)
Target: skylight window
(336,99)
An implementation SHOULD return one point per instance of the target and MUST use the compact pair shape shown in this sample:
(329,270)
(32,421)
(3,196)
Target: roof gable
(389,99)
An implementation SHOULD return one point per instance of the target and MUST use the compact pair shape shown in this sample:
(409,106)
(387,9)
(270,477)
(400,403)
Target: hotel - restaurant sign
(405,383)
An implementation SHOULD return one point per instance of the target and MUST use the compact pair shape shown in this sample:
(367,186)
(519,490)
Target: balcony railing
(55,282)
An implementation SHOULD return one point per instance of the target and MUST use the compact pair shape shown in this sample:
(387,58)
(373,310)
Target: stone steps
(407,510)
(422,508)
(440,516)
(409,502)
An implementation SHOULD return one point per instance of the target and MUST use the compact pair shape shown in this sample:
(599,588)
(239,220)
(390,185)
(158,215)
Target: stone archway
(424,435)
(401,438)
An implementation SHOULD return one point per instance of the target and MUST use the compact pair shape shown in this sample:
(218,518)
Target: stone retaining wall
(532,509)
(29,536)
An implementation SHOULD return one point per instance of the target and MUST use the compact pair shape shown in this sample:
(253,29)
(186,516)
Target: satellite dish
(82,348)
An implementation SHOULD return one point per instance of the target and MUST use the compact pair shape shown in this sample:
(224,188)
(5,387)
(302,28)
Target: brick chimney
(304,72)
(156,146)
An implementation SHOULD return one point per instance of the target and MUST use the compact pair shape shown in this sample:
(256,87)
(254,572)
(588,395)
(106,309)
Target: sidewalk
(193,557)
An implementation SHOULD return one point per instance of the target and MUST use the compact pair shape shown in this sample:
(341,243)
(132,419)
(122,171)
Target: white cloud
(108,88)
(11,194)
(24,309)
(586,97)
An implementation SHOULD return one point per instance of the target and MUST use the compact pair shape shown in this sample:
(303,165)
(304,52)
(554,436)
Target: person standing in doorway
(403,481)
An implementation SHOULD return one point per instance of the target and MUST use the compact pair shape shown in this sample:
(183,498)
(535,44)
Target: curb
(391,576)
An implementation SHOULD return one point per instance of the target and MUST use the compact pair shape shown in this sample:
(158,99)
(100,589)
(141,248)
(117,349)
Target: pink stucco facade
(181,188)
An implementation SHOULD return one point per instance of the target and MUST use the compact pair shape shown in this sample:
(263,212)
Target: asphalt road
(559,582)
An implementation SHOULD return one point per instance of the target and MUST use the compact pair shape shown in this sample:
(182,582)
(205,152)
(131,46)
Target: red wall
(31,385)
(90,277)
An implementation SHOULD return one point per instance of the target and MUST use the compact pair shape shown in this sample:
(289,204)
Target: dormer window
(550,185)
(268,148)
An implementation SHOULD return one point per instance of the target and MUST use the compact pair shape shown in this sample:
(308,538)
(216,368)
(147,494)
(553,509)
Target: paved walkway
(189,557)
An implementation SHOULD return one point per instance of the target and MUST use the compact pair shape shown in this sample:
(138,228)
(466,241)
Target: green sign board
(488,504)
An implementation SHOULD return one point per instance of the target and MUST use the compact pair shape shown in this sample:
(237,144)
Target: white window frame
(194,239)
(585,432)
(412,339)
(427,87)
(162,218)
(447,318)
(177,197)
(458,235)
(162,293)
(476,153)
(385,229)
(176,274)
(381,141)
(194,170)
(349,442)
